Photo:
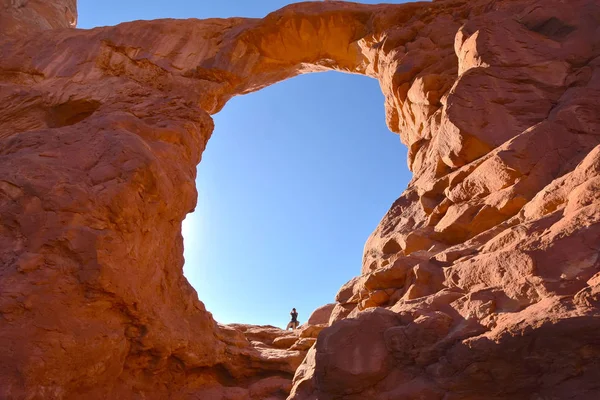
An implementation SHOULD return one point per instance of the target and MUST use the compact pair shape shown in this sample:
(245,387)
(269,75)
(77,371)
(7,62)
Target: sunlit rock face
(481,282)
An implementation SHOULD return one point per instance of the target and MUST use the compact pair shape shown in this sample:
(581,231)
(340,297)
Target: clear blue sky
(294,180)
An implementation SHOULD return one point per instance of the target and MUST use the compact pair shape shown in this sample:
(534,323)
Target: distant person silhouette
(294,322)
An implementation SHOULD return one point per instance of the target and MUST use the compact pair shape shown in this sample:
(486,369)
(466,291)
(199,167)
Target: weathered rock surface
(481,282)
(321,315)
(285,342)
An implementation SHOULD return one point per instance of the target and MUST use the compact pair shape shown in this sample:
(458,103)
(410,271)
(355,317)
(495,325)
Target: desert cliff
(481,282)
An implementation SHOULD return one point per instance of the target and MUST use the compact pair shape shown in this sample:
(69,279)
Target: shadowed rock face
(481,282)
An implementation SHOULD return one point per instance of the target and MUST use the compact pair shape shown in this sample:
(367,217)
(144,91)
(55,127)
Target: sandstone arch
(101,134)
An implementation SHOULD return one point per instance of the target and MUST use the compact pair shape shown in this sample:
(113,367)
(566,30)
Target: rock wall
(481,282)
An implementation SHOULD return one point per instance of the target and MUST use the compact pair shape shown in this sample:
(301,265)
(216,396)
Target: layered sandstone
(481,282)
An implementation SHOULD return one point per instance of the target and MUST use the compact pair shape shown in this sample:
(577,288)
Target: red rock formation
(321,315)
(481,282)
(23,17)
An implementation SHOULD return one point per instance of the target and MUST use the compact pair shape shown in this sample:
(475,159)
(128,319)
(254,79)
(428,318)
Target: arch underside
(480,282)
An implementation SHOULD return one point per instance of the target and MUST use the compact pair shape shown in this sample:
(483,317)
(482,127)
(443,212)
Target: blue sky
(293,181)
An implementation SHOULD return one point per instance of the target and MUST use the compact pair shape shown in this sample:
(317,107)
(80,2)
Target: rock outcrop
(321,315)
(481,282)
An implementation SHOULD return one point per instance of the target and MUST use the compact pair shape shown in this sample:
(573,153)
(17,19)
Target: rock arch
(495,101)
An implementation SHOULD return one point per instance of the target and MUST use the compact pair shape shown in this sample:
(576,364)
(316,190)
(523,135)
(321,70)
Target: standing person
(294,322)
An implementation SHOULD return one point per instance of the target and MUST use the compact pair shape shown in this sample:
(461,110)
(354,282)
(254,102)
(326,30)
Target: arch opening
(290,187)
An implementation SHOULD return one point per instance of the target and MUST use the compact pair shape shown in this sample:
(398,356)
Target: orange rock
(285,342)
(321,315)
(341,311)
(266,334)
(312,331)
(304,343)
(481,281)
